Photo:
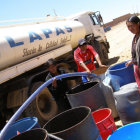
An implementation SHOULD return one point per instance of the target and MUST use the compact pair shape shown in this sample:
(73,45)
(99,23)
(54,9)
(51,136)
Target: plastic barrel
(21,126)
(74,124)
(87,94)
(106,90)
(34,134)
(128,103)
(119,75)
(105,29)
(109,97)
(108,28)
(128,132)
(104,121)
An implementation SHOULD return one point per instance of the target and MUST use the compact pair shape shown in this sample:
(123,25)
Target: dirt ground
(120,43)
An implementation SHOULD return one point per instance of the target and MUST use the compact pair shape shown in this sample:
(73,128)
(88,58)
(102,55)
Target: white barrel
(21,43)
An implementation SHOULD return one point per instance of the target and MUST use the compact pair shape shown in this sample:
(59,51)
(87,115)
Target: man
(84,55)
(58,88)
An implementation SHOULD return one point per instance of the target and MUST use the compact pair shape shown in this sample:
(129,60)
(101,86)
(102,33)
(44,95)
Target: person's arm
(95,54)
(99,61)
(52,87)
(54,83)
(128,63)
(84,66)
(138,52)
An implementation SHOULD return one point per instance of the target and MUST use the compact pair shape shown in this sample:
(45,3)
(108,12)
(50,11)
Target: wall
(118,20)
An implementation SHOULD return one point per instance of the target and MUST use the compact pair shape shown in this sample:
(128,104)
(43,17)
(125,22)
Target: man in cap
(84,55)
(59,87)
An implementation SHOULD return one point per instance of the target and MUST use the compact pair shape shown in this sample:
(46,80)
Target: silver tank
(21,43)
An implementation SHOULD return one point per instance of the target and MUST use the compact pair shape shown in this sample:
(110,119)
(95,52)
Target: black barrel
(34,134)
(128,103)
(87,94)
(74,124)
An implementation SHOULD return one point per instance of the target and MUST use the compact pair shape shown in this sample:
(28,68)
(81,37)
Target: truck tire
(43,107)
(104,54)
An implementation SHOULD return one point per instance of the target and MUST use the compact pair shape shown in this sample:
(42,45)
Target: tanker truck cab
(95,34)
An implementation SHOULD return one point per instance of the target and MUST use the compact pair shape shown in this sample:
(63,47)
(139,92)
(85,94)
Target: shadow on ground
(113,60)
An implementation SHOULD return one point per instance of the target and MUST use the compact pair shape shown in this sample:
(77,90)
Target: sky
(28,9)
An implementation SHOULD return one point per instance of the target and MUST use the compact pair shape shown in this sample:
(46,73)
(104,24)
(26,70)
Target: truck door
(100,42)
(97,27)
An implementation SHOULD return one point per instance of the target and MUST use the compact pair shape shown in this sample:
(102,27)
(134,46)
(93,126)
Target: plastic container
(128,103)
(34,134)
(108,28)
(74,124)
(119,75)
(87,94)
(21,126)
(105,89)
(109,97)
(104,121)
(128,132)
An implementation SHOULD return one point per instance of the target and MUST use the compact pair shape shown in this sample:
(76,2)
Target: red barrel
(104,121)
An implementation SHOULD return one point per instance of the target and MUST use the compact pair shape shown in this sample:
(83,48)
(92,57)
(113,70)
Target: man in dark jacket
(59,87)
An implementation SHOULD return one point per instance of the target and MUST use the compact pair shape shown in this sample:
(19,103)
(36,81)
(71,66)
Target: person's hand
(88,71)
(103,66)
(54,83)
(128,63)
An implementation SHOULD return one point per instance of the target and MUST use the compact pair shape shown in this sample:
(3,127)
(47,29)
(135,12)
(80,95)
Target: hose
(32,97)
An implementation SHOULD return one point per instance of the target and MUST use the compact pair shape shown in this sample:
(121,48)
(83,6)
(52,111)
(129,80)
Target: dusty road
(120,43)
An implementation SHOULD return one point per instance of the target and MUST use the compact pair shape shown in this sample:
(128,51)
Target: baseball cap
(51,61)
(82,41)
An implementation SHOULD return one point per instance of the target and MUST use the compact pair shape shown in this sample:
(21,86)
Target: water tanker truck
(24,49)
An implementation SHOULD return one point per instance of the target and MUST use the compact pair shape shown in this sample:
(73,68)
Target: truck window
(94,19)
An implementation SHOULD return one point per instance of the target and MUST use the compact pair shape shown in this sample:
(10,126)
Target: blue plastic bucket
(119,75)
(21,126)
(128,132)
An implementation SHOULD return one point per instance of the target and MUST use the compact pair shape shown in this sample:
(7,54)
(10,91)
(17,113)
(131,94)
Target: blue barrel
(127,132)
(108,28)
(105,29)
(21,126)
(119,75)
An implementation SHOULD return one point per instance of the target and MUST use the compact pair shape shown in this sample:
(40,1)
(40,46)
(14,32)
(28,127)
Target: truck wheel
(104,54)
(43,107)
